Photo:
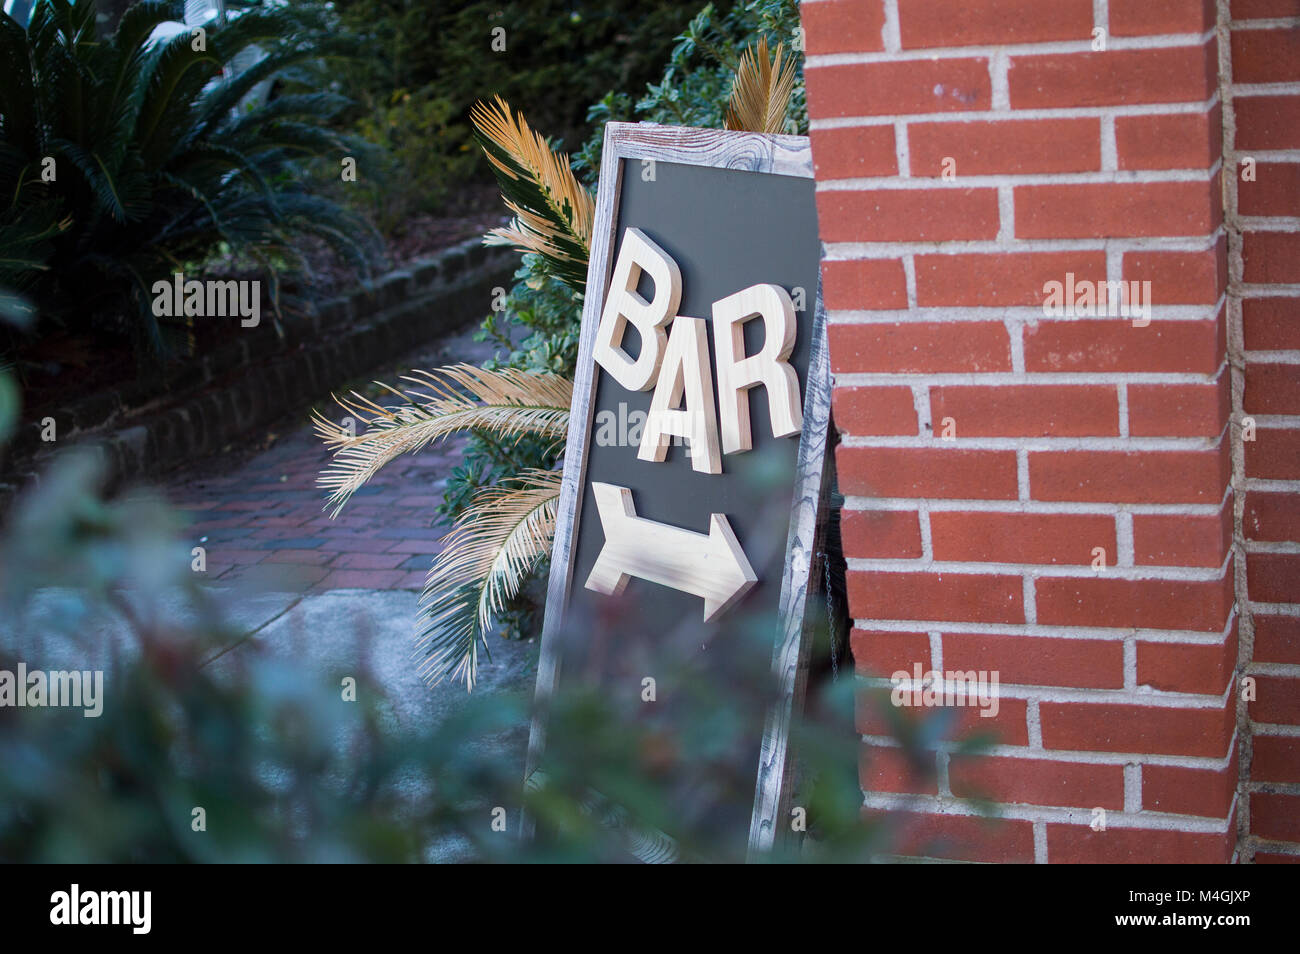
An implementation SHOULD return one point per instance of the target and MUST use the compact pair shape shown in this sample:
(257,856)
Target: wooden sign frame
(759,154)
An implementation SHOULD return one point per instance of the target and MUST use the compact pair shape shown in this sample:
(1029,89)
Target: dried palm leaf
(552,210)
(484,561)
(507,403)
(760,93)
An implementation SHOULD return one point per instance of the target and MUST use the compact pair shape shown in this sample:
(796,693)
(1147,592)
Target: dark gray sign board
(732,210)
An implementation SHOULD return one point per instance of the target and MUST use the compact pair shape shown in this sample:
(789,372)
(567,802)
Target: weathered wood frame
(752,152)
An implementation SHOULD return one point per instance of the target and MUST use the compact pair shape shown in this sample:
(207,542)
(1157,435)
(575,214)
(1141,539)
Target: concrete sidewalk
(339,632)
(347,631)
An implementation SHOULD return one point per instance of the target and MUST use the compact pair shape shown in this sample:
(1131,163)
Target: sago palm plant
(507,530)
(123,158)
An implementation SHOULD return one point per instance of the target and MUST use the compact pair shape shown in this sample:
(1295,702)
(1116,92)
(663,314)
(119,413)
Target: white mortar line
(1265,89)
(999,79)
(1265,483)
(1277,731)
(1039,630)
(1147,821)
(1006,215)
(890,31)
(921,404)
(1045,112)
(1016,340)
(1265,23)
(902,151)
(1270,422)
(1273,546)
(1084,756)
(1109,145)
(1046,48)
(1022,475)
(1132,787)
(847,251)
(1289,670)
(847,379)
(1018,313)
(938,504)
(1135,444)
(1273,609)
(1017,181)
(923,520)
(1053,571)
(1034,726)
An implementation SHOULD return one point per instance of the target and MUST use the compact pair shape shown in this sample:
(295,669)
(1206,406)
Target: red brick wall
(990,451)
(1261,91)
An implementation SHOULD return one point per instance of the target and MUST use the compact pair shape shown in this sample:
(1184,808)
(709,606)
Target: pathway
(327,596)
(334,592)
(261,517)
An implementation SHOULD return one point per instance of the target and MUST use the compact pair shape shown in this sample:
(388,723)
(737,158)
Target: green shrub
(559,56)
(427,153)
(696,82)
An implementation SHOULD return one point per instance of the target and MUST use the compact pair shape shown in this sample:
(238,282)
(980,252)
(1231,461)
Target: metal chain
(830,617)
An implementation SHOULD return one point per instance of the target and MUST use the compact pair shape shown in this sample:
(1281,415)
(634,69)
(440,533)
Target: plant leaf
(553,211)
(484,561)
(507,403)
(760,93)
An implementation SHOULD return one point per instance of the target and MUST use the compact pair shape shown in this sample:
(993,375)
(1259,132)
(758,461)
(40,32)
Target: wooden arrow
(711,565)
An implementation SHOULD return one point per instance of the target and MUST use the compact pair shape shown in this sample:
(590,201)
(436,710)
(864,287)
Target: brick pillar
(1045,496)
(1261,89)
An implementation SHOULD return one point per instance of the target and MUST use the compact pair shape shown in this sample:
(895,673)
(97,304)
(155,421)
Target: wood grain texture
(623,304)
(710,565)
(772,789)
(685,373)
(575,449)
(737,373)
(753,152)
(770,154)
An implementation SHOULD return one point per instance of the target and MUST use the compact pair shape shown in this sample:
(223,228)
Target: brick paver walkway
(260,516)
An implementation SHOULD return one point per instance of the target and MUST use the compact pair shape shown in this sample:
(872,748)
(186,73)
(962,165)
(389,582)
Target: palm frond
(507,403)
(484,561)
(123,194)
(760,93)
(553,211)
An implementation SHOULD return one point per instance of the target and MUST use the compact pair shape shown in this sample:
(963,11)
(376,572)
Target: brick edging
(261,376)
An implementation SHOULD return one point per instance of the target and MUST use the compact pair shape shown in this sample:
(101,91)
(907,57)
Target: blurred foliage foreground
(286,768)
